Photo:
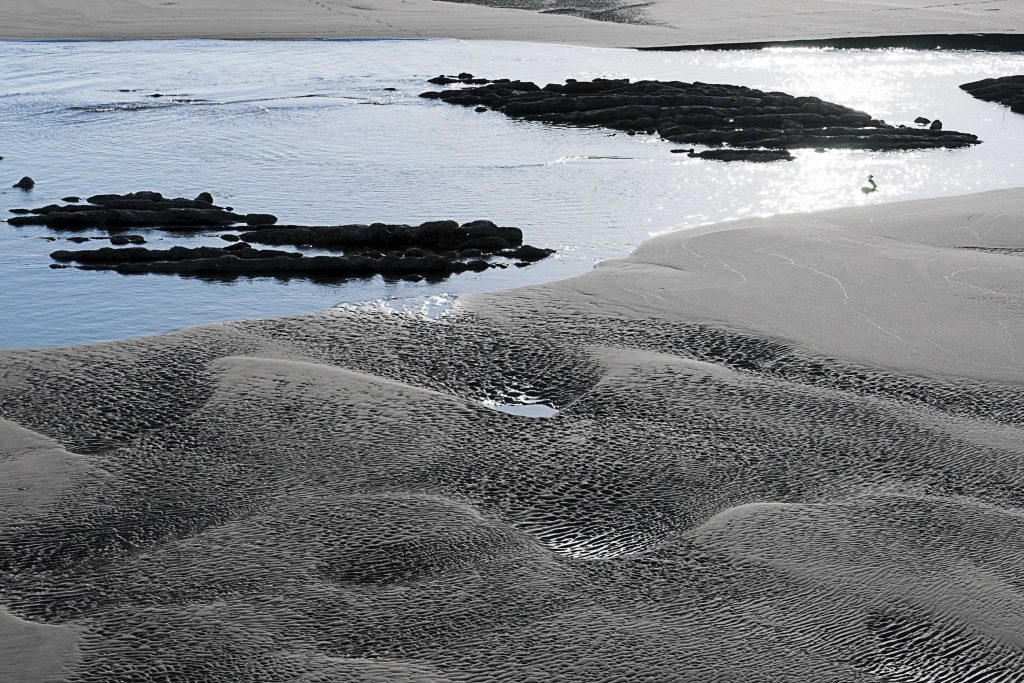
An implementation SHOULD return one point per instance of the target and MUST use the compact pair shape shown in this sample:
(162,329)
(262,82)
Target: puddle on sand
(523,409)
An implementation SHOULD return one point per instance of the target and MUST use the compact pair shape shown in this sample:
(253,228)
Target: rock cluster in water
(1008,90)
(431,249)
(713,115)
(139,210)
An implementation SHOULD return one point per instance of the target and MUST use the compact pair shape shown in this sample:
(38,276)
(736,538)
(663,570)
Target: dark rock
(25,183)
(391,89)
(120,240)
(20,212)
(412,277)
(922,121)
(78,240)
(1008,91)
(142,254)
(177,219)
(701,114)
(255,219)
(529,253)
(753,155)
(229,237)
(481,110)
(140,196)
(72,200)
(205,197)
(936,125)
(432,235)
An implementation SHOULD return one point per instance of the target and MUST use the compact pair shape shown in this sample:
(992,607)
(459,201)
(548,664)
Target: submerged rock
(25,183)
(706,114)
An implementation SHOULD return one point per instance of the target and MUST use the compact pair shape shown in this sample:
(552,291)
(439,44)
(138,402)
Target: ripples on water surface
(306,130)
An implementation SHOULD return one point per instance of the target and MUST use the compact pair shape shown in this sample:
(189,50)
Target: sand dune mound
(761,468)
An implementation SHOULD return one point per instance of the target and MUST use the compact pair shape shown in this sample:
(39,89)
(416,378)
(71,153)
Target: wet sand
(787,448)
(609,23)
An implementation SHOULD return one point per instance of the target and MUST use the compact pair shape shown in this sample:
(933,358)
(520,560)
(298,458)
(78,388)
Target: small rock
(480,110)
(71,200)
(20,212)
(121,240)
(78,240)
(922,121)
(228,237)
(936,125)
(205,197)
(25,183)
(412,277)
(530,253)
(260,219)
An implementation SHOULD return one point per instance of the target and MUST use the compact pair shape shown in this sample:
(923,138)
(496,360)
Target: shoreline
(663,24)
(758,401)
(987,42)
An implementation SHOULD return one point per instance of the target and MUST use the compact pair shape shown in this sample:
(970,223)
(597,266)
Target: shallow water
(306,130)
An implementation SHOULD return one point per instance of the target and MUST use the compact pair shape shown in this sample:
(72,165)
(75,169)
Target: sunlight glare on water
(308,131)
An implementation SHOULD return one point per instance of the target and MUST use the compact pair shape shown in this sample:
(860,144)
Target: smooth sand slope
(789,449)
(622,23)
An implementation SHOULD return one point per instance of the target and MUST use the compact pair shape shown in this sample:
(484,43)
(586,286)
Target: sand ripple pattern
(326,498)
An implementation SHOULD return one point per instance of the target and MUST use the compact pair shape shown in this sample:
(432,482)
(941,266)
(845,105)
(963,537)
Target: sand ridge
(657,23)
(749,476)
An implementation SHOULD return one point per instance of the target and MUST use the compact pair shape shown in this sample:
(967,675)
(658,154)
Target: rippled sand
(787,449)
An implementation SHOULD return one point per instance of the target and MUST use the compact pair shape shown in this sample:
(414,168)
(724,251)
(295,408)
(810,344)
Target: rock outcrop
(242,259)
(134,210)
(429,250)
(713,115)
(1008,90)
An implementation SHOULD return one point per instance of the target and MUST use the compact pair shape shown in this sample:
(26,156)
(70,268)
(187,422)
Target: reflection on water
(309,131)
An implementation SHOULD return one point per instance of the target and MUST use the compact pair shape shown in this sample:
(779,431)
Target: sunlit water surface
(306,130)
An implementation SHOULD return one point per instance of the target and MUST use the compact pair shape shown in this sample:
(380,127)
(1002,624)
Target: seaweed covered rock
(712,115)
(1008,90)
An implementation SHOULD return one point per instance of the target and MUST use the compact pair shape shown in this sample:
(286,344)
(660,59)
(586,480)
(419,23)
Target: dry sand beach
(785,449)
(610,23)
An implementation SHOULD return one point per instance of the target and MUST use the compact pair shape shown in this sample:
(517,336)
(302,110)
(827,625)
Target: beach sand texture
(789,449)
(611,23)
